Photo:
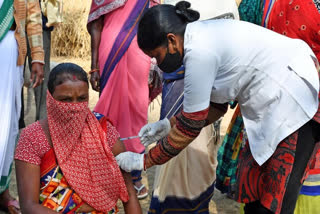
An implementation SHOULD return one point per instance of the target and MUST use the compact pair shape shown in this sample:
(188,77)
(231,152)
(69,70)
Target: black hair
(160,20)
(64,72)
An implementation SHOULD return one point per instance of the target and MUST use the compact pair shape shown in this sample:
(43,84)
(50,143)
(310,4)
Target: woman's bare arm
(215,112)
(95,28)
(132,206)
(28,180)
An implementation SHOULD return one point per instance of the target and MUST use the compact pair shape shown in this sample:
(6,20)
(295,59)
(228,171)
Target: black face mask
(171,62)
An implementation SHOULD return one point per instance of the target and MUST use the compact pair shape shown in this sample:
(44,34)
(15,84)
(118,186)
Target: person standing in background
(40,93)
(119,70)
(18,18)
(53,10)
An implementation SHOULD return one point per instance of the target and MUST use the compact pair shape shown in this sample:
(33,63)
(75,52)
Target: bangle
(144,162)
(94,70)
(37,61)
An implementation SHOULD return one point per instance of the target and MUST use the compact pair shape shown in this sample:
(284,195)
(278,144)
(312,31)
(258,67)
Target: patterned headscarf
(84,155)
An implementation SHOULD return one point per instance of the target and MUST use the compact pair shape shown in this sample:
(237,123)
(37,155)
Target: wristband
(37,61)
(94,70)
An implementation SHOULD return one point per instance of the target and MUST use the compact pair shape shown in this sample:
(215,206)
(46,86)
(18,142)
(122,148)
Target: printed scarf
(83,154)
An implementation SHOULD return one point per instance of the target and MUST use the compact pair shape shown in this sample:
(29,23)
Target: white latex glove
(154,131)
(129,161)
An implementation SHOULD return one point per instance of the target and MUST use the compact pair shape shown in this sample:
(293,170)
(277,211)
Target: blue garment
(172,100)
(44,22)
(172,93)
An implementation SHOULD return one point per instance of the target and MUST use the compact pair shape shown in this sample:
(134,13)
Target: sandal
(12,207)
(139,189)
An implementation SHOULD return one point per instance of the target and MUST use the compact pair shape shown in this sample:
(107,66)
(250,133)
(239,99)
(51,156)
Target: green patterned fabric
(5,181)
(6,17)
(228,154)
(251,11)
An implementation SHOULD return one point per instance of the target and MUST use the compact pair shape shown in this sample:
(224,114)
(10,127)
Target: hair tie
(182,9)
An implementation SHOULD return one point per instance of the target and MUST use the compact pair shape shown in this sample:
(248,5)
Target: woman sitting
(69,157)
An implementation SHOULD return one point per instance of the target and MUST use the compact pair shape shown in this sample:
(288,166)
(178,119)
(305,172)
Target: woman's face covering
(72,92)
(169,57)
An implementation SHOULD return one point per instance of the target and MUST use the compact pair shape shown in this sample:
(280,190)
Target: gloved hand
(129,161)
(154,131)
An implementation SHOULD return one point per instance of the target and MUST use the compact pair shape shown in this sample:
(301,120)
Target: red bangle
(94,70)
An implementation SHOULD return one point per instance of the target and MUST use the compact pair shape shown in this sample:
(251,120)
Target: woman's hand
(36,74)
(95,81)
(85,208)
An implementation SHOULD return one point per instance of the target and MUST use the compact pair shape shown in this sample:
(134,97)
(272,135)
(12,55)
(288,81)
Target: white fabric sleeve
(201,66)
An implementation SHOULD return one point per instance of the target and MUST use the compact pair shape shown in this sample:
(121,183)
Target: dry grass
(71,37)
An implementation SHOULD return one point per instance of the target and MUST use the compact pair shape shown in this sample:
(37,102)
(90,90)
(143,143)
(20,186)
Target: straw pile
(71,38)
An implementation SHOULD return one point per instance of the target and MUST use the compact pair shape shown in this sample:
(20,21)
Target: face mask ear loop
(168,48)
(171,62)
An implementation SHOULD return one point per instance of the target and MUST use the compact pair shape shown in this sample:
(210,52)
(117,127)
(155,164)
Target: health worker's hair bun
(182,9)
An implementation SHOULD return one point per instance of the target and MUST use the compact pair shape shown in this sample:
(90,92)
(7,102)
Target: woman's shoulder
(33,132)
(32,128)
(104,121)
(108,127)
(32,144)
(202,35)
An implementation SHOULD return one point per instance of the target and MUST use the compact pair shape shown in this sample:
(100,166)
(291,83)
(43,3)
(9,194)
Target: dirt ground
(220,204)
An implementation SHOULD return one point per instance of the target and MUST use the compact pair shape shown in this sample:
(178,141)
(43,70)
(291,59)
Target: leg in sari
(124,73)
(124,97)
